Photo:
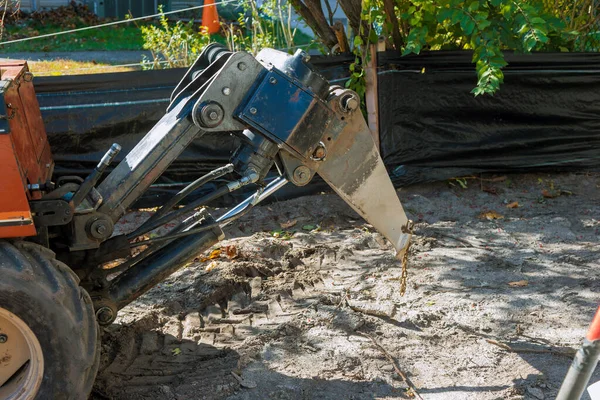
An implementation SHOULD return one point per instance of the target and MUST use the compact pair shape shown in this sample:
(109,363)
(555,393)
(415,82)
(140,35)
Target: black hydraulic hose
(201,228)
(155,247)
(173,201)
(169,217)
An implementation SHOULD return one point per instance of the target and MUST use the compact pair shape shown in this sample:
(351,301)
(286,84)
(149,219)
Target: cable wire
(124,21)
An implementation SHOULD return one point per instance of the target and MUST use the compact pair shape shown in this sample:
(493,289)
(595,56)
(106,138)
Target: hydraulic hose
(168,206)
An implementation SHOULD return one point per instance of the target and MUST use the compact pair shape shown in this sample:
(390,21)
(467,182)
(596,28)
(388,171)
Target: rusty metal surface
(25,156)
(355,171)
(26,124)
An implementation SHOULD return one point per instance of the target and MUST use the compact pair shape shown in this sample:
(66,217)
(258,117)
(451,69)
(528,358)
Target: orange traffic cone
(210,17)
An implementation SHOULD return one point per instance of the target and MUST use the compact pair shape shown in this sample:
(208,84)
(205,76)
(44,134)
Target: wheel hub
(21,359)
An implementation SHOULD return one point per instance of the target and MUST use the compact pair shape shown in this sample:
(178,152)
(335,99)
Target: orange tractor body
(25,156)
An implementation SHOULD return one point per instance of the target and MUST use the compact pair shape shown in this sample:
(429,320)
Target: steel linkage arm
(285,113)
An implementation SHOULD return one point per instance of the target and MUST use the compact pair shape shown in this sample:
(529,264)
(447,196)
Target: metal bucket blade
(355,171)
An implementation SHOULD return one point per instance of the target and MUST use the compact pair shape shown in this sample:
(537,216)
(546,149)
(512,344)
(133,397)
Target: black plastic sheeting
(546,115)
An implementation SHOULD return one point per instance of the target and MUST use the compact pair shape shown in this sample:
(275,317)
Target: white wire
(125,21)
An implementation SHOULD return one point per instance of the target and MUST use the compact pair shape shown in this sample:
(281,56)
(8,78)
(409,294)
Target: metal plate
(355,171)
(287,113)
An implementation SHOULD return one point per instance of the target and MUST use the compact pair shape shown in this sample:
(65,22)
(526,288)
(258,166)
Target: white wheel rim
(21,359)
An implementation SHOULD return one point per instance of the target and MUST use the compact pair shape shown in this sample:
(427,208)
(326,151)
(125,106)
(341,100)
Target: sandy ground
(292,317)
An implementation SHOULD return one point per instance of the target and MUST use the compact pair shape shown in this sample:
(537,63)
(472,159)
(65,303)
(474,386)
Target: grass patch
(70,67)
(119,37)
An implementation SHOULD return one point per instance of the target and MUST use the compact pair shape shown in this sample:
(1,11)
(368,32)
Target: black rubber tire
(46,295)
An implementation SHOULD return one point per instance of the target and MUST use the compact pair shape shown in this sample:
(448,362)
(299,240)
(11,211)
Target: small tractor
(57,233)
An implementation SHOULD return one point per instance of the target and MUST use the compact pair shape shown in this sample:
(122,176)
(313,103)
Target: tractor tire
(47,322)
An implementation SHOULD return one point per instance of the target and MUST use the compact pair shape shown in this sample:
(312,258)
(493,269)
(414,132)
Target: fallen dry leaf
(550,194)
(289,224)
(213,254)
(553,193)
(490,215)
(518,283)
(514,204)
(231,252)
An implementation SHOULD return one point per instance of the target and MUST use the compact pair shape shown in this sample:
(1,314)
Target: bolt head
(253,110)
(272,80)
(349,103)
(319,152)
(305,56)
(105,315)
(99,229)
(210,115)
(226,91)
(242,66)
(301,175)
(3,338)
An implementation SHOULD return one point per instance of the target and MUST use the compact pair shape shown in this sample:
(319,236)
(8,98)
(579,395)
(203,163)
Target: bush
(173,46)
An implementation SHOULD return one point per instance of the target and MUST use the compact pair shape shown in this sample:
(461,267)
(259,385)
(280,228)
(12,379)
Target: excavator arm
(286,114)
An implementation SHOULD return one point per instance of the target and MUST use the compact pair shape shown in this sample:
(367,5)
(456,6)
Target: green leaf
(444,14)
(484,24)
(538,20)
(456,16)
(309,227)
(467,25)
(358,41)
(529,43)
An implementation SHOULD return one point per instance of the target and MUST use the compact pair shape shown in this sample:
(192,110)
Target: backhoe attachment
(286,115)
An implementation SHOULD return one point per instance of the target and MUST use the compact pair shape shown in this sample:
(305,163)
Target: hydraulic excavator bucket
(355,171)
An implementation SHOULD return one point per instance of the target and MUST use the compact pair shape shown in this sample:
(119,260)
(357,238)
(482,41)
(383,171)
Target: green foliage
(179,44)
(269,24)
(581,19)
(487,27)
(172,45)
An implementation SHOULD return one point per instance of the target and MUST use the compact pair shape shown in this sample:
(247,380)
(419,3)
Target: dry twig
(563,352)
(394,364)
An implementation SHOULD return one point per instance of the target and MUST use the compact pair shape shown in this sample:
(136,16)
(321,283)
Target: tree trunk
(312,12)
(340,33)
(352,9)
(391,17)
